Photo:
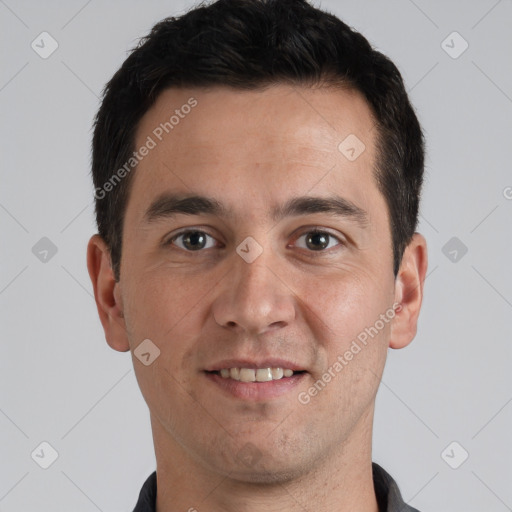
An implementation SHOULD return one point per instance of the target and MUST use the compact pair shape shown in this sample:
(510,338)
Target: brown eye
(192,240)
(319,240)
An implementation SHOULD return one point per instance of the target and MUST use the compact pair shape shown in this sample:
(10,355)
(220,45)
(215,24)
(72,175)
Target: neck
(340,481)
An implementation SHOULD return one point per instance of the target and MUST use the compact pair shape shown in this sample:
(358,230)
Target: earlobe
(107,294)
(409,292)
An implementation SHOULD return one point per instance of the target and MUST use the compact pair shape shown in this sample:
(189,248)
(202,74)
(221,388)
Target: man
(257,171)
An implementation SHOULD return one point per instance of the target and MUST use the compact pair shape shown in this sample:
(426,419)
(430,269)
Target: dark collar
(386,490)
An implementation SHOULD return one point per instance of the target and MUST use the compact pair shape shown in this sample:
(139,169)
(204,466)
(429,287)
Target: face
(284,263)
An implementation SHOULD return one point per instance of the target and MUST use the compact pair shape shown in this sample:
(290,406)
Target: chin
(263,474)
(250,465)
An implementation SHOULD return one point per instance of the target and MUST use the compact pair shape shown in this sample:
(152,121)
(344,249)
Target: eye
(192,240)
(317,240)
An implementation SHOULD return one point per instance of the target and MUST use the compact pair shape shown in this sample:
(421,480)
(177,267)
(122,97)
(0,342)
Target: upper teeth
(252,375)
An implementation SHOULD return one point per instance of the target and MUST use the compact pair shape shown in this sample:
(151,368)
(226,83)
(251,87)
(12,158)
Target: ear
(409,292)
(107,294)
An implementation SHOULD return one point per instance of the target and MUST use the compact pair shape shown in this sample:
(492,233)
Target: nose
(255,297)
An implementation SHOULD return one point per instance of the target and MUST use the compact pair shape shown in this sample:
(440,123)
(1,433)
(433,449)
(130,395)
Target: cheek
(164,307)
(344,308)
(343,301)
(161,300)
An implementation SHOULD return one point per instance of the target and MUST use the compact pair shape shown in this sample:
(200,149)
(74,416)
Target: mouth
(256,384)
(256,374)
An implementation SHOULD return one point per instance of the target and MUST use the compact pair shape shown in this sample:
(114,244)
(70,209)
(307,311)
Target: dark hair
(252,44)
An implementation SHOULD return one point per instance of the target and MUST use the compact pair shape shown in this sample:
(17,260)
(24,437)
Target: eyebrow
(169,205)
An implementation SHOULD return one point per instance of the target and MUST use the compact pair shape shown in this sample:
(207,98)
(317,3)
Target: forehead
(261,144)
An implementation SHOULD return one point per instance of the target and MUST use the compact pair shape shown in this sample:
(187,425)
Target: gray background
(60,381)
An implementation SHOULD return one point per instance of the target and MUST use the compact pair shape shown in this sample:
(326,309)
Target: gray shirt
(388,495)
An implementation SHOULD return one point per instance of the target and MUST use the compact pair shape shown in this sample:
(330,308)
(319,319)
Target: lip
(255,391)
(247,363)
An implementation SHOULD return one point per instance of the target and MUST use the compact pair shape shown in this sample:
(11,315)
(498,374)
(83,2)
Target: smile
(253,384)
(255,374)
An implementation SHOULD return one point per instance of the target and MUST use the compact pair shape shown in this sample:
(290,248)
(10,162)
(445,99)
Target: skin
(251,151)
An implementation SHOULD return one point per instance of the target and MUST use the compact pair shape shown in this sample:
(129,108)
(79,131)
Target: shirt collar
(388,495)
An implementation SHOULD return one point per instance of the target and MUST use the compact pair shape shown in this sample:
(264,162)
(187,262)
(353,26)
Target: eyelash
(314,230)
